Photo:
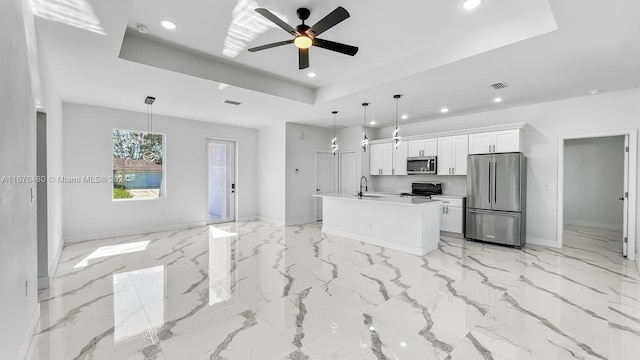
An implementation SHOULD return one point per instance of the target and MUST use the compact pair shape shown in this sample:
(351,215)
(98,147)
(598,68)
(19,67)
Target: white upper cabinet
(496,142)
(381,159)
(400,159)
(452,155)
(423,147)
(385,159)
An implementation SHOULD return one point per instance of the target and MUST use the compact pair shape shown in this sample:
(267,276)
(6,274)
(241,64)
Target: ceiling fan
(305,36)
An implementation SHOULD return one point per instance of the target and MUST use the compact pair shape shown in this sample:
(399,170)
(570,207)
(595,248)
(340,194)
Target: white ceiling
(433,52)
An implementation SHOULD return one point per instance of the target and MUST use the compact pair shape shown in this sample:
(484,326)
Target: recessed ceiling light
(372,123)
(169,25)
(444,110)
(311,74)
(471,4)
(595,91)
(497,100)
(404,117)
(403,344)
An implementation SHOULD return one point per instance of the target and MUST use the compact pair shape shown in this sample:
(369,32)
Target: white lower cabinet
(451,214)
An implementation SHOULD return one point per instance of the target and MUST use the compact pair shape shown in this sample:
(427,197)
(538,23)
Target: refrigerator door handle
(489,182)
(492,213)
(495,182)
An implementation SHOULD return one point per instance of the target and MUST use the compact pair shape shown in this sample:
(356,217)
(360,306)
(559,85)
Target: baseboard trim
(542,242)
(592,224)
(248,218)
(299,221)
(110,234)
(53,267)
(26,340)
(271,220)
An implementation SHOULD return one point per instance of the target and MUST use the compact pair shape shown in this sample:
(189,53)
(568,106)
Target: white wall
(349,140)
(89,211)
(18,303)
(52,106)
(301,155)
(271,169)
(547,122)
(593,181)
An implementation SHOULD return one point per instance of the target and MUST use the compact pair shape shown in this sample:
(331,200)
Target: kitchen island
(402,223)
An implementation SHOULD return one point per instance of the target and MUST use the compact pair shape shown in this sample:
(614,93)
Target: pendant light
(365,139)
(149,101)
(334,144)
(396,133)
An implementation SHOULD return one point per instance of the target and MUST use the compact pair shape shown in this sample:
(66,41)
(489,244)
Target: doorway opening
(324,178)
(221,184)
(596,191)
(41,201)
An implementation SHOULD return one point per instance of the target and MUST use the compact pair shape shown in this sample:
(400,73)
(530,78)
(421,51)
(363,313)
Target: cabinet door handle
(489,148)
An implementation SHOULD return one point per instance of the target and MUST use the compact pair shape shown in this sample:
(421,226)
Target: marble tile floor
(257,291)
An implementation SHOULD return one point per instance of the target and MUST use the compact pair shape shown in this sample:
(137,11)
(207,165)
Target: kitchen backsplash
(451,185)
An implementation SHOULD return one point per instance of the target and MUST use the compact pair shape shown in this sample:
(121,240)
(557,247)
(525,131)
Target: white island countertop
(402,223)
(407,200)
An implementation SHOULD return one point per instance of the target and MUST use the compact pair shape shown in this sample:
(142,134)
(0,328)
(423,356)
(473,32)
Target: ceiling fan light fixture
(303,42)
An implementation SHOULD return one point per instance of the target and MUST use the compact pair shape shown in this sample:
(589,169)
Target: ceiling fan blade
(334,46)
(269,46)
(276,20)
(303,58)
(334,18)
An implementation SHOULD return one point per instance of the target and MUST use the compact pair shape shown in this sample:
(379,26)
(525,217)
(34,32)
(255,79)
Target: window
(138,165)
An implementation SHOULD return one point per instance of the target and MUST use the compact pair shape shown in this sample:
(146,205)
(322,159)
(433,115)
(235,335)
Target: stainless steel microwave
(422,165)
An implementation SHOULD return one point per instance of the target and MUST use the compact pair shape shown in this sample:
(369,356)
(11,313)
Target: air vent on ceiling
(500,85)
(231,102)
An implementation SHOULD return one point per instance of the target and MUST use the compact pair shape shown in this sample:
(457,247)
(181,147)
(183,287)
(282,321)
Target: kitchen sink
(371,195)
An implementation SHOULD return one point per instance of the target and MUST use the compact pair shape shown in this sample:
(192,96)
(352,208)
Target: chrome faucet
(366,185)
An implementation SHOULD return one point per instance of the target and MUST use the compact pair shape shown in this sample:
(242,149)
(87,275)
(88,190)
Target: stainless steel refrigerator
(496,194)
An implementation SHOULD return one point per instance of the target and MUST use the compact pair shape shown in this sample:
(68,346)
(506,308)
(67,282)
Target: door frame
(632,181)
(315,178)
(340,168)
(207,141)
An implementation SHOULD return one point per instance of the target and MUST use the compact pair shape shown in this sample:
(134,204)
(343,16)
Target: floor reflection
(138,302)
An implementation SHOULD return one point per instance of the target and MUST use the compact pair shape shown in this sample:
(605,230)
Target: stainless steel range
(424,189)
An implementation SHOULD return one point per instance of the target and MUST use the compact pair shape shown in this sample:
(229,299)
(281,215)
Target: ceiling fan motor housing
(303,13)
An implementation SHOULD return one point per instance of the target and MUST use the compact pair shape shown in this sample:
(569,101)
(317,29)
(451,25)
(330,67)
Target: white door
(324,178)
(348,174)
(460,152)
(625,199)
(480,143)
(506,141)
(222,183)
(400,159)
(445,152)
